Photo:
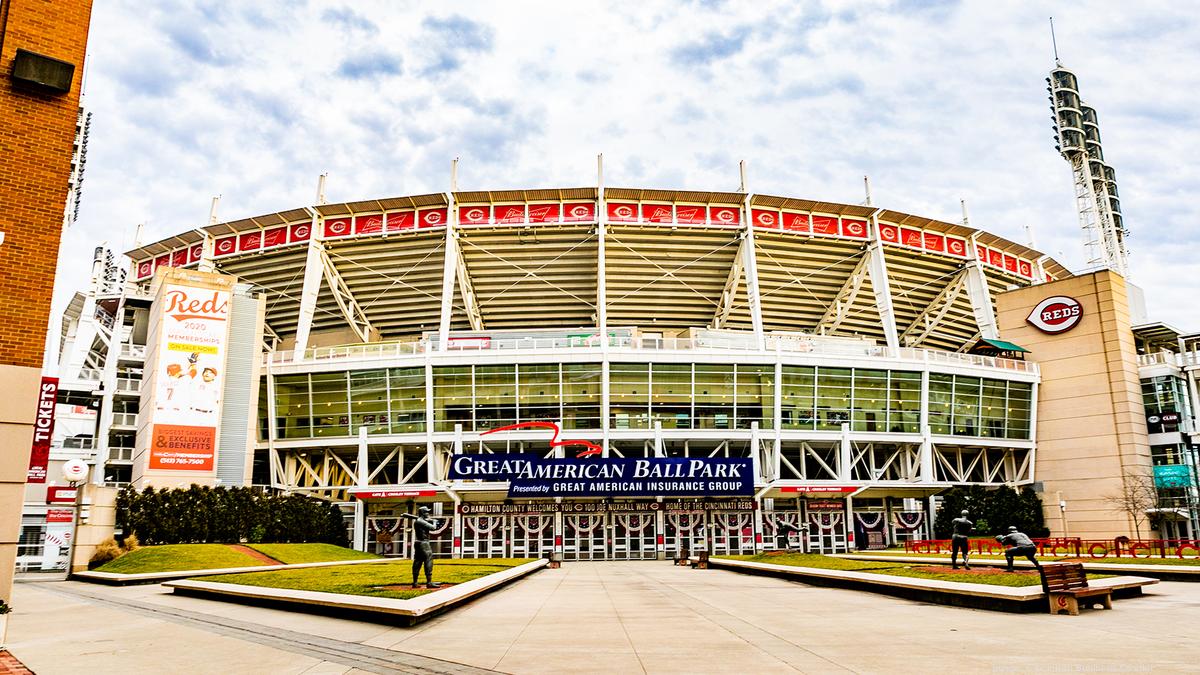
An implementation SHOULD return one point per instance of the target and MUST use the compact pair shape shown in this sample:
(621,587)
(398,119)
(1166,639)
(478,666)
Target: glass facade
(1165,394)
(700,396)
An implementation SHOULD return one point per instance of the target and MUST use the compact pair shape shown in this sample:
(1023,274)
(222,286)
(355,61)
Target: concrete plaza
(625,617)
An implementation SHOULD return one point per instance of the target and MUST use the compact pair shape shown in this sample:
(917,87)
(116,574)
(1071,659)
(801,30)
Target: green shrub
(106,551)
(992,510)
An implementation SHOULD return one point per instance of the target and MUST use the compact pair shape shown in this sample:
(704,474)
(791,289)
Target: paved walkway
(625,617)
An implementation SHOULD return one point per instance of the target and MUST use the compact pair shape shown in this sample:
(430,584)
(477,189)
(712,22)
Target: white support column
(844,456)
(361,481)
(750,269)
(729,290)
(314,273)
(108,380)
(877,267)
(926,453)
(1033,431)
(981,295)
(449,271)
(428,418)
(272,422)
(601,282)
(658,438)
(605,403)
(206,249)
(755,453)
(778,413)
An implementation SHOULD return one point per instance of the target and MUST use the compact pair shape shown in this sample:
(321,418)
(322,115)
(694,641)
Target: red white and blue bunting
(909,520)
(869,521)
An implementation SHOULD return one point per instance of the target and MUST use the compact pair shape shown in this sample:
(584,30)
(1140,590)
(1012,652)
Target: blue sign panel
(535,476)
(1172,476)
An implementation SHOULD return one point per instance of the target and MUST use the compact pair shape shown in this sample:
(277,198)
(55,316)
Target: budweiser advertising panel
(189,378)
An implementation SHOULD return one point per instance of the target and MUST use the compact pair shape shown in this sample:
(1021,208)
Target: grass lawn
(975,576)
(294,554)
(369,579)
(178,558)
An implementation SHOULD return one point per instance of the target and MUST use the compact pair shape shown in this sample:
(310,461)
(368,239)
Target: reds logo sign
(181,307)
(1056,314)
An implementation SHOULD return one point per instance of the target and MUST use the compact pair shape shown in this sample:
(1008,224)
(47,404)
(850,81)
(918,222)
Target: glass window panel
(755,396)
(538,397)
(330,407)
(798,391)
(452,398)
(293,407)
(1019,407)
(833,397)
(870,400)
(369,401)
(993,408)
(714,396)
(941,396)
(671,395)
(581,385)
(904,402)
(629,392)
(966,406)
(407,391)
(495,396)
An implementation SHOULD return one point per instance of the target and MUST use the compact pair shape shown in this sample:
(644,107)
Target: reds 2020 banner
(190,378)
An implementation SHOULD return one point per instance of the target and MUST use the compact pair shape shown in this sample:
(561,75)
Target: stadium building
(618,372)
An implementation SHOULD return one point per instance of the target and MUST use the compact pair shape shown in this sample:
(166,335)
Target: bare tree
(1137,497)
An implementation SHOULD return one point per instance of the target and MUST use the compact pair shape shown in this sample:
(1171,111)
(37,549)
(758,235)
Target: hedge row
(199,515)
(992,510)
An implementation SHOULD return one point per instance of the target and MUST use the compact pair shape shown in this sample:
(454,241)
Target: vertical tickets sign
(43,431)
(190,378)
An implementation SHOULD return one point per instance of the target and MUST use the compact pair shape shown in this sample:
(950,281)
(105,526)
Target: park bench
(1066,583)
(682,556)
(701,561)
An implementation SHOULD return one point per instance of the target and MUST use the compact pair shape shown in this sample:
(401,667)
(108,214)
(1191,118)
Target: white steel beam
(844,300)
(931,317)
(351,310)
(750,267)
(314,272)
(449,272)
(601,283)
(466,288)
(729,291)
(981,295)
(877,267)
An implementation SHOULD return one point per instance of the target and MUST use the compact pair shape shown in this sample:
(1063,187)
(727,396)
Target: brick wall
(37,133)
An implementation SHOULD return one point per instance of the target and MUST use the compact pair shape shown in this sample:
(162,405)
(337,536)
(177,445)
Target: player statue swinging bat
(422,551)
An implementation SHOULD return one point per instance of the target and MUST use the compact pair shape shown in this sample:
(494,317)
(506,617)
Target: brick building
(42,47)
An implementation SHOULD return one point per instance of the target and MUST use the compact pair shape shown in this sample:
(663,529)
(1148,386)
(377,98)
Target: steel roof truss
(731,286)
(844,300)
(351,310)
(931,316)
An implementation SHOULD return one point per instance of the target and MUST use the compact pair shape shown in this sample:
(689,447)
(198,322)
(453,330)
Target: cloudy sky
(935,101)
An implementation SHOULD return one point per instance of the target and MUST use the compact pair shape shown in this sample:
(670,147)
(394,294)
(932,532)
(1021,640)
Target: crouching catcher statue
(422,554)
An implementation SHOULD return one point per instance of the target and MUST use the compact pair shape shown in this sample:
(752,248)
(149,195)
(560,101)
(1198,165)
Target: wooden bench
(1066,583)
(682,556)
(701,562)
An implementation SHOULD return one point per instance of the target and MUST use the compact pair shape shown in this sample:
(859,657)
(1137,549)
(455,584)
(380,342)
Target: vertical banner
(190,378)
(43,431)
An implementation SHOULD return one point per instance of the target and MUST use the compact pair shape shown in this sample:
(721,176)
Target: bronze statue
(960,541)
(422,550)
(1020,544)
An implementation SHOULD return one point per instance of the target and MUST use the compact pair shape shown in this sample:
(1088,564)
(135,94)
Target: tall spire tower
(1077,138)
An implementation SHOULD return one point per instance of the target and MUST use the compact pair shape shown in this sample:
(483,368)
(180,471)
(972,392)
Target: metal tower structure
(1077,138)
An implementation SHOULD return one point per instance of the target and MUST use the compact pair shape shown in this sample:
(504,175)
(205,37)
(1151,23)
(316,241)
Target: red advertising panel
(622,213)
(60,515)
(656,213)
(981,253)
(371,224)
(401,220)
(431,218)
(956,247)
(796,222)
(1010,264)
(544,213)
(337,227)
(579,212)
(510,213)
(179,258)
(725,215)
(765,218)
(996,258)
(43,431)
(225,246)
(299,232)
(145,269)
(935,242)
(889,233)
(275,237)
(690,214)
(474,215)
(825,225)
(912,238)
(854,228)
(1025,269)
(62,494)
(195,253)
(250,241)
(164,259)
(183,448)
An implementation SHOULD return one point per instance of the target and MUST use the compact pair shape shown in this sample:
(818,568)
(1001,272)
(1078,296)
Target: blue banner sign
(535,476)
(1172,476)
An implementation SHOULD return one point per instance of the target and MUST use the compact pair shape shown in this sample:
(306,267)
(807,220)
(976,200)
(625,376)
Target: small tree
(1137,496)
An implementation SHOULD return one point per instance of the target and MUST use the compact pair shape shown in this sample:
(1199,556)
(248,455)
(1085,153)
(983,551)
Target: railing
(1121,547)
(124,419)
(773,344)
(75,443)
(89,374)
(133,351)
(120,454)
(129,384)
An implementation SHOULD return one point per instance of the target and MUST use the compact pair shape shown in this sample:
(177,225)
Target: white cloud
(934,102)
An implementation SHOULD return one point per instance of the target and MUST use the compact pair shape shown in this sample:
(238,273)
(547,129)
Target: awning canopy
(1001,345)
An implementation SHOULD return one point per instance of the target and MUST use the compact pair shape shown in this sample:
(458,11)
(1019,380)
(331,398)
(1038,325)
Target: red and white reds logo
(433,217)
(1056,314)
(888,233)
(225,245)
(854,228)
(145,268)
(338,226)
(475,215)
(581,211)
(197,250)
(766,218)
(725,216)
(623,212)
(302,232)
(1024,268)
(956,247)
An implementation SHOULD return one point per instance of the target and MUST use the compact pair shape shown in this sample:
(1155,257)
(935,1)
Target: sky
(935,101)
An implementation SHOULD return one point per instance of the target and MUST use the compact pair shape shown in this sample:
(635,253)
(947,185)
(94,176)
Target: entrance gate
(634,536)
(484,536)
(827,532)
(532,535)
(733,532)
(584,536)
(686,528)
(782,530)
